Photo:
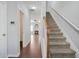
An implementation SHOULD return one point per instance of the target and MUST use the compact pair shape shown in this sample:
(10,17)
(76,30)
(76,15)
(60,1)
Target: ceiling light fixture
(33,7)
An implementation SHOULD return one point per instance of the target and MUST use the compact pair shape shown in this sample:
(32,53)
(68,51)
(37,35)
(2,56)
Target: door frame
(3,31)
(21,27)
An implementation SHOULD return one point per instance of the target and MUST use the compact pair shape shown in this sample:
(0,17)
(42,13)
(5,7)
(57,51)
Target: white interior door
(3,30)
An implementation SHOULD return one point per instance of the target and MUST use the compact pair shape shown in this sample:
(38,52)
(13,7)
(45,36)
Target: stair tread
(57,40)
(51,26)
(60,37)
(55,33)
(66,50)
(58,43)
(53,29)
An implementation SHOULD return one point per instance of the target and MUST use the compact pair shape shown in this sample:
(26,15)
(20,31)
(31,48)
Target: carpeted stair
(58,46)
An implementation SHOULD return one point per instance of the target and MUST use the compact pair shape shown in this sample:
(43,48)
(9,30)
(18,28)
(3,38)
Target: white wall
(67,12)
(69,9)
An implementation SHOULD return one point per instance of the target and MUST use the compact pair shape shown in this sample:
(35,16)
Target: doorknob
(4,34)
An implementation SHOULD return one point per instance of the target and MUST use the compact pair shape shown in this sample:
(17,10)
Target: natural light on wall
(31,25)
(31,28)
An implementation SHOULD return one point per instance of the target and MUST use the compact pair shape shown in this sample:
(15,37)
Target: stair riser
(55,34)
(57,40)
(50,32)
(52,27)
(59,46)
(53,24)
(51,19)
(62,55)
(54,30)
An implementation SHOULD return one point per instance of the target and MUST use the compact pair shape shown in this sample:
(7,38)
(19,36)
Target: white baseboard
(25,45)
(14,55)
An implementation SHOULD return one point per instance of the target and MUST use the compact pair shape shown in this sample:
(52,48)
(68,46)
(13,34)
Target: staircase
(57,45)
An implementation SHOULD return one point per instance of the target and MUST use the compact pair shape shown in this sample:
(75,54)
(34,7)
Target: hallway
(33,50)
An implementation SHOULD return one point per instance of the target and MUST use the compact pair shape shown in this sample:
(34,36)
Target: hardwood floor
(33,50)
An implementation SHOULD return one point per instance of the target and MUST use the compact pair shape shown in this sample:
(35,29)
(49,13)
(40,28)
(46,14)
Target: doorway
(21,22)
